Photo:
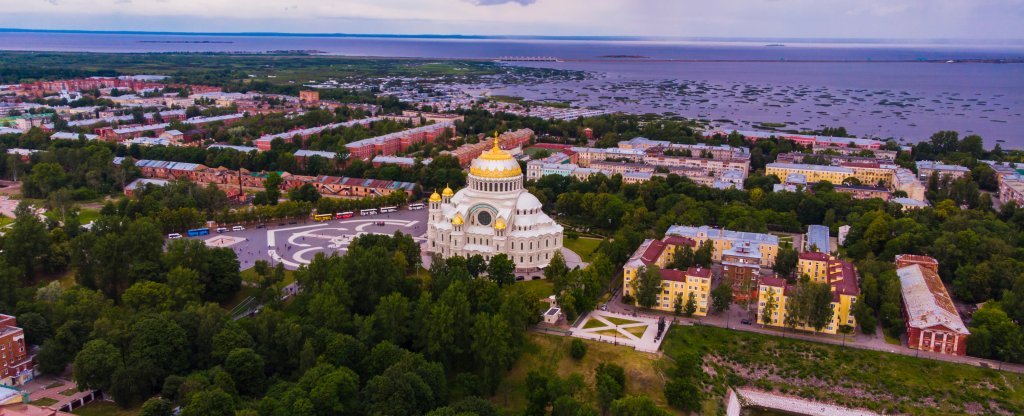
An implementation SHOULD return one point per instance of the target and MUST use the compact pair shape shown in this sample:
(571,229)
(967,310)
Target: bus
(322,217)
(196,232)
(344,215)
(385,210)
(371,211)
(413,207)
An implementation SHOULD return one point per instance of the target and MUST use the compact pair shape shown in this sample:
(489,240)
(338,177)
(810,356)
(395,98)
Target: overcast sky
(903,19)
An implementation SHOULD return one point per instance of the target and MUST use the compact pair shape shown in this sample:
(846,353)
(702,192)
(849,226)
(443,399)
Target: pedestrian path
(619,329)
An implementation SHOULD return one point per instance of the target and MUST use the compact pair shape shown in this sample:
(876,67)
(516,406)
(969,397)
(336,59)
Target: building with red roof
(678,286)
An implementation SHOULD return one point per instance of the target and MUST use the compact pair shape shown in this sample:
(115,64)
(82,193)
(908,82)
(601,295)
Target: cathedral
(493,214)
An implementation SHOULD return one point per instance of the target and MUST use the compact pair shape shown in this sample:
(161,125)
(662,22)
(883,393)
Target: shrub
(577,349)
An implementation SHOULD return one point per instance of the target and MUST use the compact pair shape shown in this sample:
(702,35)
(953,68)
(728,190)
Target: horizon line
(950,41)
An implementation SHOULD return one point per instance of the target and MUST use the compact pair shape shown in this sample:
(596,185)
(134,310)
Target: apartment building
(933,323)
(677,285)
(722,239)
(839,274)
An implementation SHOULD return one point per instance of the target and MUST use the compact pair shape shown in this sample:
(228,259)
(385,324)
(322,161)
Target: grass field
(644,372)
(882,382)
(45,401)
(101,408)
(583,246)
(541,288)
(249,275)
(241,295)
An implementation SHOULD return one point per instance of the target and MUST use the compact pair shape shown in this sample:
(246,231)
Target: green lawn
(593,323)
(86,215)
(102,408)
(637,330)
(249,275)
(620,321)
(69,392)
(644,372)
(45,401)
(882,382)
(583,246)
(238,297)
(541,288)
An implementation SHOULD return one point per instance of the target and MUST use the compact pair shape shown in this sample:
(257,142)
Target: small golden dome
(447,191)
(435,197)
(499,224)
(457,220)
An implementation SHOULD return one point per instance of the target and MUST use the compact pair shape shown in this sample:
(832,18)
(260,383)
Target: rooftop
(927,301)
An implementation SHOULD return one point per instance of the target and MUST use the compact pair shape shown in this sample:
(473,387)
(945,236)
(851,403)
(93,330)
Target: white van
(238,228)
(221,230)
(173,235)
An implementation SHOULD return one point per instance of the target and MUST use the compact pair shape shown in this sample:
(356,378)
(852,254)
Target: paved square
(294,243)
(620,329)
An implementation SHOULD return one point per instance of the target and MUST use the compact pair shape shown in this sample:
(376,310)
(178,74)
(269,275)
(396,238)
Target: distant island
(624,56)
(185,41)
(776,45)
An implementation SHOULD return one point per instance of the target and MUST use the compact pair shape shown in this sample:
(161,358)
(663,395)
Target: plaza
(296,243)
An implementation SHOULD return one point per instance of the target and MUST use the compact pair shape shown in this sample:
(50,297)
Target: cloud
(497,2)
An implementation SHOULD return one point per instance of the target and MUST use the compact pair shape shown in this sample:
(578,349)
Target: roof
(653,252)
(803,166)
(243,149)
(679,241)
(718,233)
(926,300)
(142,182)
(66,135)
(933,165)
(814,256)
(817,235)
(310,153)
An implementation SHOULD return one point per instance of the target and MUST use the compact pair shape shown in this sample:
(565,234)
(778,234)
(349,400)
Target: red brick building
(15,362)
(933,323)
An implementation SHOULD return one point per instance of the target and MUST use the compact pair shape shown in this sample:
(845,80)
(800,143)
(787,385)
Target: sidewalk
(731,320)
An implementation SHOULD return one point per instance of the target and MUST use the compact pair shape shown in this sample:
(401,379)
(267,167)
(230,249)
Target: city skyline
(796,19)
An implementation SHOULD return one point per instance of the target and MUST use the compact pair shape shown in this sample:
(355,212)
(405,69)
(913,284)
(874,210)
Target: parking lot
(294,243)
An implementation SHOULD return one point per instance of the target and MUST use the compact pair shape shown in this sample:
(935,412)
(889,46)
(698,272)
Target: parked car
(238,228)
(745,321)
(221,230)
(173,235)
(261,225)
(604,307)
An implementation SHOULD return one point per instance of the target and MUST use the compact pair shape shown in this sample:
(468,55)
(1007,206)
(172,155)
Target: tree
(307,192)
(647,286)
(677,304)
(96,363)
(501,270)
(492,348)
(610,384)
(476,265)
(691,305)
(230,337)
(556,269)
(704,255)
(577,349)
(27,242)
(392,319)
(157,407)
(721,297)
(213,402)
(785,262)
(770,305)
(246,368)
(148,296)
(636,406)
(272,188)
(865,316)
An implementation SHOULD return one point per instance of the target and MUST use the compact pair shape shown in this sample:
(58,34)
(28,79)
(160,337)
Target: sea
(901,90)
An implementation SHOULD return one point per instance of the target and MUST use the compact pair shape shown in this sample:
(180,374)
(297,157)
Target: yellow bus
(323,217)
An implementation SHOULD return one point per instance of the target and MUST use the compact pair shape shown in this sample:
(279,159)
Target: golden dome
(435,197)
(457,220)
(447,191)
(499,224)
(495,163)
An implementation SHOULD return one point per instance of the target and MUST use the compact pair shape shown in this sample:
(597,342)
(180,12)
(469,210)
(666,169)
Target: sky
(831,19)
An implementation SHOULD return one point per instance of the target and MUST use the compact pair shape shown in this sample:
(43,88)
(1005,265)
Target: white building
(493,214)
